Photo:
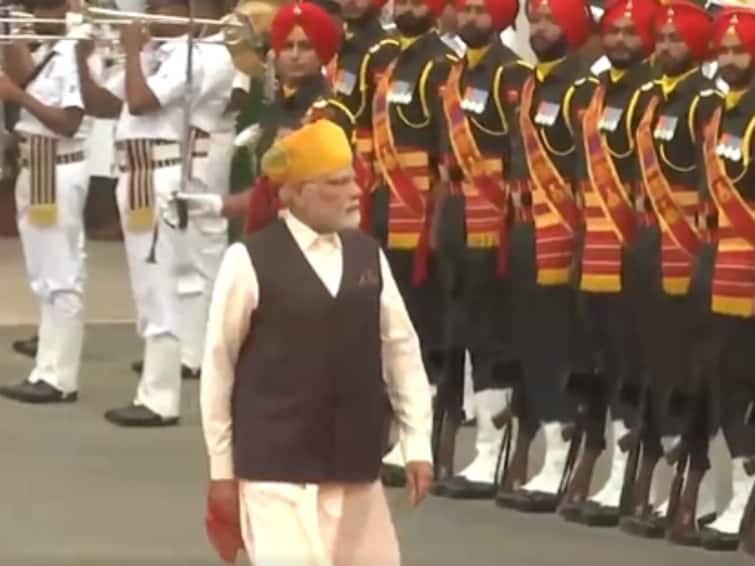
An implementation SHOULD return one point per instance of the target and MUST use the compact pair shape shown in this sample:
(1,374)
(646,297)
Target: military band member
(51,192)
(727,147)
(407,125)
(304,38)
(213,119)
(149,98)
(669,113)
(543,248)
(608,147)
(479,104)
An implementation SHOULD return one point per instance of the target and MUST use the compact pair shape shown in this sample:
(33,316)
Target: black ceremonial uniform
(480,108)
(365,53)
(668,134)
(293,105)
(607,280)
(407,126)
(541,266)
(723,347)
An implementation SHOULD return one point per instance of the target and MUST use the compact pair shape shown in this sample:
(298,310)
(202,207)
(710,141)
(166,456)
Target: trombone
(243,30)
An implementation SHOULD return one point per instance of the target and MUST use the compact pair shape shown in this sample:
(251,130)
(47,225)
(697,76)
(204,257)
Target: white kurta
(319,523)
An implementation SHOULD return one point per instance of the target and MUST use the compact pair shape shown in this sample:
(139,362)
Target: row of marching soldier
(584,238)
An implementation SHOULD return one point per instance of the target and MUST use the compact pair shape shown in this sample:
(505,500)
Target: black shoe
(460,487)
(26,347)
(650,525)
(138,416)
(712,539)
(597,515)
(186,372)
(37,393)
(531,501)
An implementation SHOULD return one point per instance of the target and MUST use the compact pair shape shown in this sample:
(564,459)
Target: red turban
(436,7)
(641,13)
(317,24)
(692,22)
(572,16)
(743,22)
(502,12)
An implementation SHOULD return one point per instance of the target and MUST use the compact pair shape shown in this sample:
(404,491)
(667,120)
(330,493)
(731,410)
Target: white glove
(198,205)
(248,137)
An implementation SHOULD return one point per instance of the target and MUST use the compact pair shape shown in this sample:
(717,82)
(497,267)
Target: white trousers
(55,264)
(317,525)
(207,240)
(154,286)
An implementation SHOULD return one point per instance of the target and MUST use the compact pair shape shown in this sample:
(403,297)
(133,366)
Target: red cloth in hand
(224,534)
(263,205)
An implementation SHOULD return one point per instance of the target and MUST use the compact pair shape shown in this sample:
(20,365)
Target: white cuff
(416,447)
(221,467)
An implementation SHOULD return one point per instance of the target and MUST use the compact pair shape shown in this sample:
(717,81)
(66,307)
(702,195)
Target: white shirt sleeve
(406,379)
(234,298)
(241,81)
(116,84)
(168,84)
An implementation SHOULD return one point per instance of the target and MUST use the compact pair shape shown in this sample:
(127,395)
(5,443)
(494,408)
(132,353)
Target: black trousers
(543,320)
(478,315)
(426,304)
(610,326)
(664,334)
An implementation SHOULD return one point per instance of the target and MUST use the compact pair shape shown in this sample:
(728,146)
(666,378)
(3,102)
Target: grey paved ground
(76,492)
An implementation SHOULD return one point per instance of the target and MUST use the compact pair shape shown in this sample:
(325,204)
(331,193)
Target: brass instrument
(243,30)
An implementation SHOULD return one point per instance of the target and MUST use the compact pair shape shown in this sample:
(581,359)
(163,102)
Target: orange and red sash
(408,221)
(610,219)
(554,210)
(486,211)
(680,240)
(734,272)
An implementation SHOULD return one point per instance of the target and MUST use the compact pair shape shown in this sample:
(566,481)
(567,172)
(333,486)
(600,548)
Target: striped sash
(734,271)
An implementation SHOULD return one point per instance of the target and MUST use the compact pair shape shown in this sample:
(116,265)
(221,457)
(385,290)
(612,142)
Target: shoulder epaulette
(523,63)
(586,80)
(648,86)
(711,92)
(382,43)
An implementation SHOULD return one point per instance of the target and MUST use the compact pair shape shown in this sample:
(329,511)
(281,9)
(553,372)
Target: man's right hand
(223,499)
(223,521)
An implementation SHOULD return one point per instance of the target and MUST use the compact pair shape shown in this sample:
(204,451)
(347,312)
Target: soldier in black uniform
(366,51)
(607,145)
(479,106)
(723,347)
(407,126)
(667,245)
(543,244)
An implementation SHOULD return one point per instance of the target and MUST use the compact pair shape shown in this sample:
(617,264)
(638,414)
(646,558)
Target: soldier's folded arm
(99,101)
(18,63)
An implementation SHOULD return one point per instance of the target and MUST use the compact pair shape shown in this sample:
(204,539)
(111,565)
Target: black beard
(410,26)
(474,37)
(623,62)
(550,52)
(673,68)
(737,79)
